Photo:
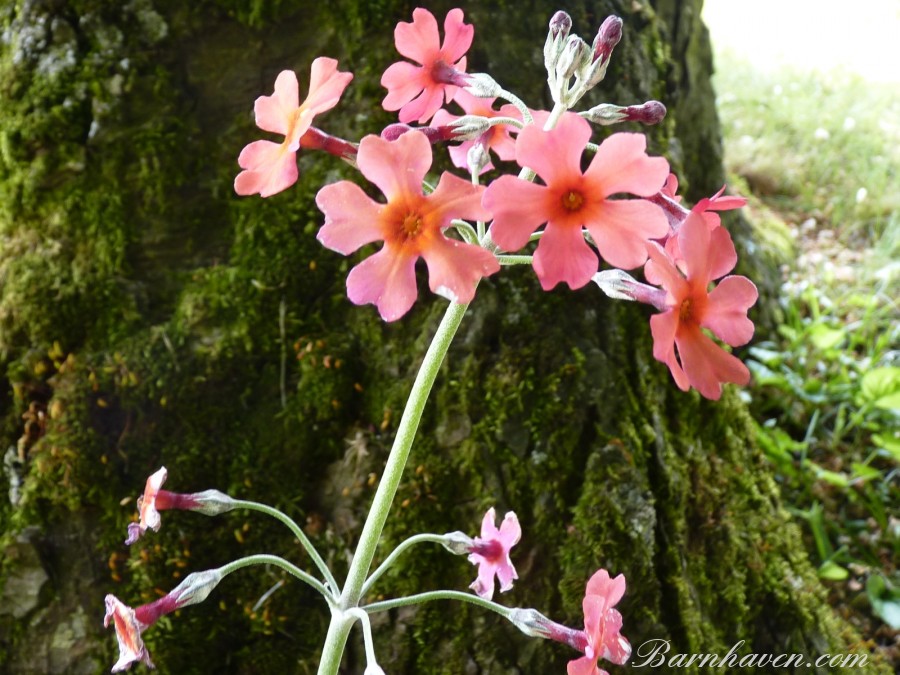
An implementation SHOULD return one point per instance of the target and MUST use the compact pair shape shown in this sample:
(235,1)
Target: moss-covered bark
(148,317)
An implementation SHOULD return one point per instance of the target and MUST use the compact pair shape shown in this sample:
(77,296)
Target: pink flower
(490,552)
(131,623)
(411,225)
(418,91)
(707,255)
(155,499)
(671,204)
(272,167)
(497,138)
(128,634)
(571,200)
(602,625)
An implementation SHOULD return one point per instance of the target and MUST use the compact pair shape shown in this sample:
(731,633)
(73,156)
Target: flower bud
(620,285)
(607,38)
(196,587)
(560,25)
(573,58)
(651,112)
(477,158)
(469,127)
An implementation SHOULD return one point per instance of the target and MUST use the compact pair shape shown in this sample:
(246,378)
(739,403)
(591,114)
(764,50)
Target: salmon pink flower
(490,552)
(272,167)
(419,91)
(411,225)
(496,138)
(571,200)
(155,499)
(131,623)
(707,255)
(602,625)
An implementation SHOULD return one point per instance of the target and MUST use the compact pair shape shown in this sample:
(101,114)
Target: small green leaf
(881,387)
(824,337)
(885,599)
(832,571)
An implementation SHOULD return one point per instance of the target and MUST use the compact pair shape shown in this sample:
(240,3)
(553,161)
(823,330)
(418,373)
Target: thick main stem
(341,622)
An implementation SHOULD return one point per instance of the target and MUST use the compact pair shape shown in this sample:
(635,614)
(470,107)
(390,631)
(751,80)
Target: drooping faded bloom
(131,623)
(706,255)
(602,625)
(272,167)
(411,224)
(490,552)
(496,138)
(418,91)
(155,499)
(571,200)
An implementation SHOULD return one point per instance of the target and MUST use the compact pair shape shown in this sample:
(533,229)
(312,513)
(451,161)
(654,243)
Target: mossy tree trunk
(148,317)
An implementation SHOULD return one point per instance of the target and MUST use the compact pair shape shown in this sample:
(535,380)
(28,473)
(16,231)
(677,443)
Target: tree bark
(150,317)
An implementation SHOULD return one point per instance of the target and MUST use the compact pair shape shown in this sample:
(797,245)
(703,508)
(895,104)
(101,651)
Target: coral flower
(419,91)
(131,623)
(571,200)
(490,552)
(497,138)
(411,225)
(155,499)
(707,255)
(602,625)
(272,167)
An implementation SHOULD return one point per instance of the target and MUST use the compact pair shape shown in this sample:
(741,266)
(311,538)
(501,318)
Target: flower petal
(270,168)
(455,268)
(722,256)
(621,164)
(706,364)
(276,113)
(584,666)
(510,530)
(726,312)
(396,167)
(351,217)
(456,198)
(326,85)
(663,328)
(693,244)
(403,81)
(457,37)
(387,280)
(623,227)
(518,208)
(563,255)
(418,41)
(611,589)
(555,155)
(422,108)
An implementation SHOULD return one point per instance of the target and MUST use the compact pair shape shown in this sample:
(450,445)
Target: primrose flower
(676,213)
(131,623)
(272,167)
(490,552)
(571,200)
(411,225)
(602,626)
(707,255)
(496,138)
(419,91)
(155,499)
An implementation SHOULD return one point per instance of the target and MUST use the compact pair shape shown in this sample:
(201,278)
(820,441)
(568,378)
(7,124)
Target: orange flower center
(572,200)
(410,226)
(685,312)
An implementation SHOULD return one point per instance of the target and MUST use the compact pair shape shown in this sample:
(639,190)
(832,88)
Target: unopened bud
(458,543)
(434,134)
(619,285)
(469,127)
(605,114)
(651,112)
(560,25)
(573,58)
(477,158)
(607,38)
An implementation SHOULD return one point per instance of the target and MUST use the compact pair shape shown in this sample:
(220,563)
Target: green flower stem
(301,536)
(264,559)
(514,259)
(396,553)
(368,641)
(419,598)
(466,231)
(339,628)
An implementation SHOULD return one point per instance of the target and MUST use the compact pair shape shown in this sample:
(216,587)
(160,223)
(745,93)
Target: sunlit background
(809,97)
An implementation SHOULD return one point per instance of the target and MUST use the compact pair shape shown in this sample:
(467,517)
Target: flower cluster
(617,212)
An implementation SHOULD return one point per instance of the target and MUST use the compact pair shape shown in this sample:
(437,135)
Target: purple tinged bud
(434,134)
(560,24)
(651,112)
(607,38)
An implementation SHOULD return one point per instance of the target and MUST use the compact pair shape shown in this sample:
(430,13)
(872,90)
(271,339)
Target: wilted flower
(490,552)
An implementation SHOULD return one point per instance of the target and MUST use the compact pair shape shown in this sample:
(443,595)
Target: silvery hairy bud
(651,112)
(607,38)
(560,25)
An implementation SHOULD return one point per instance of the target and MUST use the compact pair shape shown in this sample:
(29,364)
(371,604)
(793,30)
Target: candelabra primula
(575,219)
